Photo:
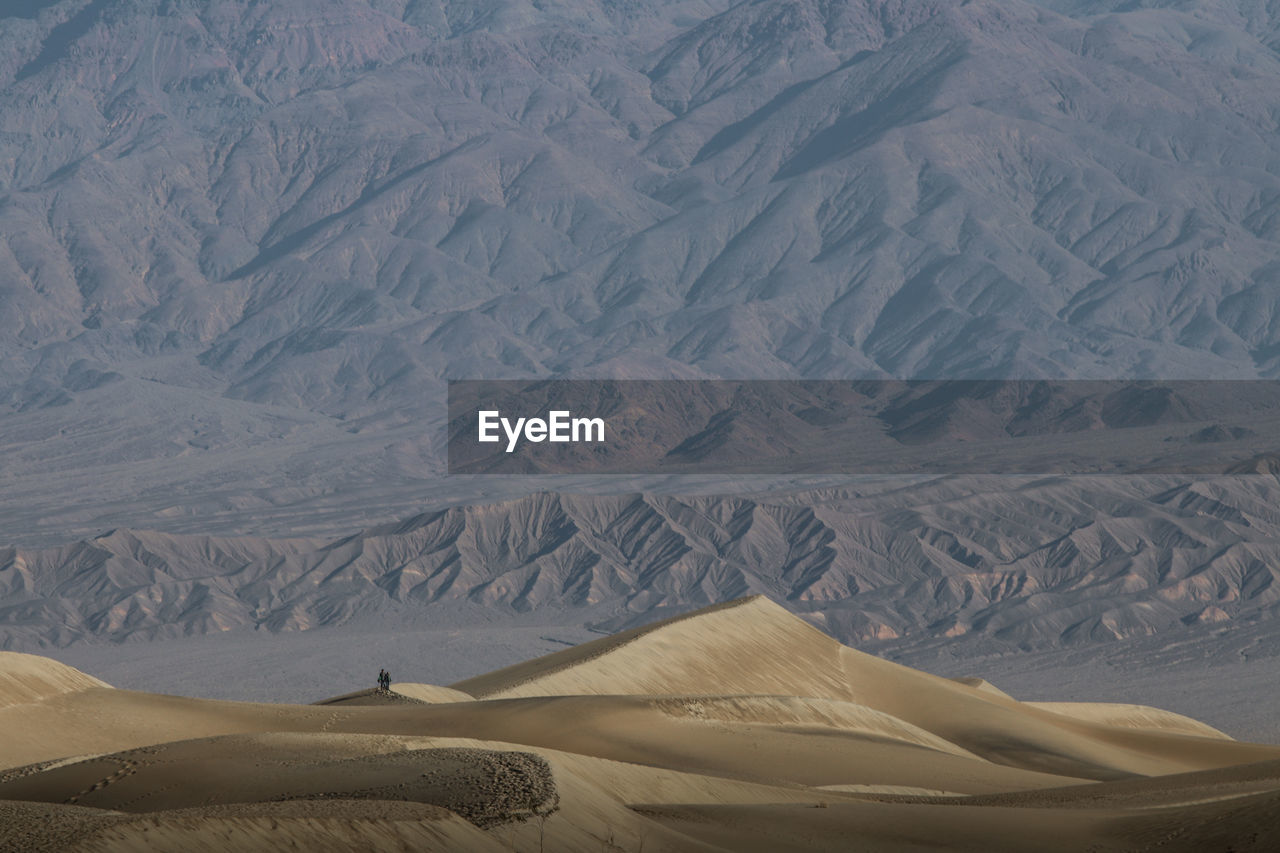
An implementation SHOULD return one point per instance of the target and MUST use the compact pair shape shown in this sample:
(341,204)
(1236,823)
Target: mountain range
(238,230)
(243,244)
(985,565)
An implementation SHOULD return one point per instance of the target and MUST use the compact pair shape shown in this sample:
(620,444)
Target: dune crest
(1125,715)
(745,646)
(432,693)
(29,678)
(408,692)
(981,684)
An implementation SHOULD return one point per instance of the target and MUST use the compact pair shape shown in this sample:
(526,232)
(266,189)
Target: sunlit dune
(737,727)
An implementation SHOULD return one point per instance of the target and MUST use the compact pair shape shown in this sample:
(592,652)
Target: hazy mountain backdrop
(242,243)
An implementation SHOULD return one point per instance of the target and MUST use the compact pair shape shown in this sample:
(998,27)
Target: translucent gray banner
(863,427)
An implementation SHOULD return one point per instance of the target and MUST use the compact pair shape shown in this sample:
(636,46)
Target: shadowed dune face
(487,787)
(739,727)
(335,825)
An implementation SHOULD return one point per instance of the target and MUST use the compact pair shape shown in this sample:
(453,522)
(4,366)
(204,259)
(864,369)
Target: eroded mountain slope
(1001,563)
(266,232)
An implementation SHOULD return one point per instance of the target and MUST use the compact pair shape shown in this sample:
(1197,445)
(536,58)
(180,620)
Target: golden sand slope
(740,727)
(1130,717)
(753,646)
(430,693)
(29,678)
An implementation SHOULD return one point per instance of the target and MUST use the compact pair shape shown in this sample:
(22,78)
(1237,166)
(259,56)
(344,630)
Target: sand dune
(739,727)
(753,646)
(981,684)
(30,678)
(330,826)
(1130,716)
(430,694)
(487,787)
(665,732)
(433,693)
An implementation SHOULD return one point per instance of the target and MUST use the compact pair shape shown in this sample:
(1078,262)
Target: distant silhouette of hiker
(386,681)
(383,680)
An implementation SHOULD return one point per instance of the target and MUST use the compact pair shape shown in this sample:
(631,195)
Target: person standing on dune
(382,679)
